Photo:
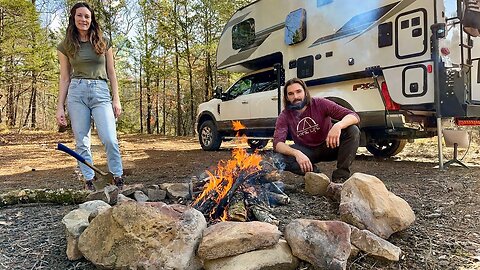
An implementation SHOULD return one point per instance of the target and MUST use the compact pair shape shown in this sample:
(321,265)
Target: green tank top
(86,64)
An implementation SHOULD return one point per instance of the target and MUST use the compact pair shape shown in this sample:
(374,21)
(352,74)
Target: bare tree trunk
(177,70)
(34,103)
(10,104)
(157,98)
(27,115)
(141,97)
(164,108)
(149,103)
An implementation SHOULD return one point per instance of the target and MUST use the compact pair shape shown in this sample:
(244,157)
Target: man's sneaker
(89,185)
(118,181)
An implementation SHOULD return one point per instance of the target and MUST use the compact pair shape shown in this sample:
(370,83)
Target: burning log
(240,189)
(237,211)
(207,203)
(224,202)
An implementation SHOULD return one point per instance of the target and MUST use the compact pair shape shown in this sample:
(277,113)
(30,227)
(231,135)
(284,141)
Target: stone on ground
(278,257)
(232,238)
(367,204)
(144,236)
(324,244)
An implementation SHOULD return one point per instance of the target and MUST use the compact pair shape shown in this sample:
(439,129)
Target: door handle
(275,98)
(244,102)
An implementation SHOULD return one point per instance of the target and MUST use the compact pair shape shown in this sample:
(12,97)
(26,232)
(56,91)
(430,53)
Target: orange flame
(227,172)
(237,126)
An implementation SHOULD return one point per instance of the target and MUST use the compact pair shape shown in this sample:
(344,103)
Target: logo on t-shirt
(306,126)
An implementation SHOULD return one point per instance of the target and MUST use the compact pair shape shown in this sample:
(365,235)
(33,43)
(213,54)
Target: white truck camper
(402,65)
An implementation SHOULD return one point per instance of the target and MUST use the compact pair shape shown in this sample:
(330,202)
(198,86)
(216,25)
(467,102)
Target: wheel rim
(207,136)
(383,145)
(386,148)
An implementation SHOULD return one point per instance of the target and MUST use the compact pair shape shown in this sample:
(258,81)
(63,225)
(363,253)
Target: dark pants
(344,154)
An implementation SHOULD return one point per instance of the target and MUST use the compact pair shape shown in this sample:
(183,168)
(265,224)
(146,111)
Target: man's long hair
(95,34)
(308,98)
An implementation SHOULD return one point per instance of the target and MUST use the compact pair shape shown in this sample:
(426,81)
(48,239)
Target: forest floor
(445,235)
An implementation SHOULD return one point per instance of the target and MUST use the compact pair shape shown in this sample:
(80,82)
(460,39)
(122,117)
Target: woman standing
(86,64)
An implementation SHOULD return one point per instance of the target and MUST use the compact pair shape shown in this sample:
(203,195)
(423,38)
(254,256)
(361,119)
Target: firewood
(222,205)
(277,199)
(237,210)
(262,214)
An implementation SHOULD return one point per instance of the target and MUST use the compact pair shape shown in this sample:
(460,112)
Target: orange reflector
(429,68)
(467,122)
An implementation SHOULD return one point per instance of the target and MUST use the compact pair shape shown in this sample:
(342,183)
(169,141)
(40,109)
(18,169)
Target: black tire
(386,147)
(209,137)
(257,144)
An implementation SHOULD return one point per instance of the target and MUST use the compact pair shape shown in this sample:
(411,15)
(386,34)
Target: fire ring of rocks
(228,225)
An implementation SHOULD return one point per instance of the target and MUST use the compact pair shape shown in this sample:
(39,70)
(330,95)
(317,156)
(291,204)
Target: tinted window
(243,34)
(260,82)
(242,87)
(296,27)
(264,81)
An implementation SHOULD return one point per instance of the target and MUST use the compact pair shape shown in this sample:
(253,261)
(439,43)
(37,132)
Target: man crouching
(308,121)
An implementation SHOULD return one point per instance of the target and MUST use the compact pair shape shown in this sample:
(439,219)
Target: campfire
(240,189)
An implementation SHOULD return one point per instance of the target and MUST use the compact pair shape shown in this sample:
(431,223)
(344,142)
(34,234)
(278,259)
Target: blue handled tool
(107,177)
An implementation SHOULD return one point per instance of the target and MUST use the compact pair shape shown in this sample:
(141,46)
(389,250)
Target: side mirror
(218,92)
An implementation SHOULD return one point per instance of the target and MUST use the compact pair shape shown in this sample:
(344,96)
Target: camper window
(296,27)
(243,34)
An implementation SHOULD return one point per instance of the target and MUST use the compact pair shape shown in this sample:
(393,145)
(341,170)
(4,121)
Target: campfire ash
(240,189)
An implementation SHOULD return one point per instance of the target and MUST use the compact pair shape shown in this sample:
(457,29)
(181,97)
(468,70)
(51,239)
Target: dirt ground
(445,235)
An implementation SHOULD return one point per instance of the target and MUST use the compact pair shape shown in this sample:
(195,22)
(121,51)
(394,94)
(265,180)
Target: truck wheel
(208,136)
(386,147)
(257,144)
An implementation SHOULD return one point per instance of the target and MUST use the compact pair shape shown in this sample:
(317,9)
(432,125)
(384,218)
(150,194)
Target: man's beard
(297,106)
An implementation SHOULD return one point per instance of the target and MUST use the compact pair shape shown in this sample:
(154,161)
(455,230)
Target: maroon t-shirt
(311,127)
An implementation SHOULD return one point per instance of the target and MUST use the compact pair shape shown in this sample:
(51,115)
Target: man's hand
(333,136)
(303,161)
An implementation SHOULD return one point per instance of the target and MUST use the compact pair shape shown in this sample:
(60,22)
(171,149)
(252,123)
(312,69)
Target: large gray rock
(367,204)
(92,206)
(324,244)
(374,245)
(278,257)
(77,221)
(129,190)
(140,196)
(156,194)
(107,194)
(144,236)
(177,190)
(232,238)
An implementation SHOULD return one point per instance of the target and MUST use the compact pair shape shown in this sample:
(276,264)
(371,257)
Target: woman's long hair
(95,34)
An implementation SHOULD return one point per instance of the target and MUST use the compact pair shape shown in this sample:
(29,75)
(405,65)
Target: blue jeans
(86,99)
